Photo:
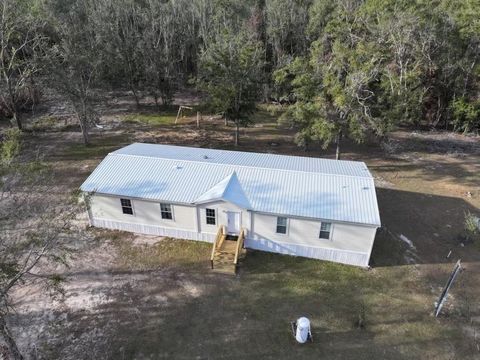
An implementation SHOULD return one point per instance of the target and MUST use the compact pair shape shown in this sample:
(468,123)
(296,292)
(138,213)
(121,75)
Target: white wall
(148,213)
(145,212)
(221,208)
(349,243)
(306,233)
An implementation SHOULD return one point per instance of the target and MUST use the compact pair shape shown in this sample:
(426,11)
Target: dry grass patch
(166,252)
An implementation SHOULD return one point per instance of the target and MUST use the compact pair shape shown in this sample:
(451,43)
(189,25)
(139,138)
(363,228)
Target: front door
(233,222)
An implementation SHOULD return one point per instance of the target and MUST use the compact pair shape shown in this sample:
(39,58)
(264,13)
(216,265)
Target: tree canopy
(350,67)
(230,72)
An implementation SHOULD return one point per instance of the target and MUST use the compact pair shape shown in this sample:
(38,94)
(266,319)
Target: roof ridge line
(246,166)
(232,151)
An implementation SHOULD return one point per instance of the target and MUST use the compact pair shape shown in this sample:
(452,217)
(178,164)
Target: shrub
(44,123)
(466,115)
(471,226)
(10,146)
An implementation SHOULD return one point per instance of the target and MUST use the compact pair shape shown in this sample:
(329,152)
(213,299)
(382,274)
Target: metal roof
(229,189)
(286,185)
(242,158)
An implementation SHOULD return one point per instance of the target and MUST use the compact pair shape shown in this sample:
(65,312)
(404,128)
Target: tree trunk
(237,133)
(10,342)
(137,100)
(84,128)
(86,136)
(339,138)
(82,115)
(16,118)
(83,120)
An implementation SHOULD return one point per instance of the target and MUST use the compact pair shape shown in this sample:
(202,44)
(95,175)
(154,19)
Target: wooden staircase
(227,253)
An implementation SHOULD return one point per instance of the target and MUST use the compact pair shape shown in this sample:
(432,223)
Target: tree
(20,40)
(230,72)
(119,26)
(335,86)
(73,62)
(165,45)
(378,63)
(33,227)
(286,28)
(465,104)
(217,16)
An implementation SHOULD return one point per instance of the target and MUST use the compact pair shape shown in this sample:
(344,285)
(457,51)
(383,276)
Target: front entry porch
(227,250)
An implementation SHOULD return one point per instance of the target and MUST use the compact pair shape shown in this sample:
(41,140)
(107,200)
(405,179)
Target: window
(211,218)
(126,206)
(166,210)
(325,230)
(281,225)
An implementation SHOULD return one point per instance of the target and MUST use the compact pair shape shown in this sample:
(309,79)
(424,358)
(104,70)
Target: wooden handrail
(217,240)
(240,240)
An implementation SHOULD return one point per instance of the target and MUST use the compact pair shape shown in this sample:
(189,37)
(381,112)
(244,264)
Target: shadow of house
(421,228)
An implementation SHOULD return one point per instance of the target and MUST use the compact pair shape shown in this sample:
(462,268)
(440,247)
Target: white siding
(349,243)
(145,212)
(221,208)
(152,230)
(340,256)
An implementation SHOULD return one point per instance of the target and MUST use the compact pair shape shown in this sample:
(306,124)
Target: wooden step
(224,269)
(229,246)
(224,257)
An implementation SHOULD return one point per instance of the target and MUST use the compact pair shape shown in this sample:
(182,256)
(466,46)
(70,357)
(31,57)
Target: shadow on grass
(440,142)
(465,172)
(157,315)
(432,223)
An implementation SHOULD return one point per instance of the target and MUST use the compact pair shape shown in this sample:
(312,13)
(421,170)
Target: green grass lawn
(151,119)
(99,147)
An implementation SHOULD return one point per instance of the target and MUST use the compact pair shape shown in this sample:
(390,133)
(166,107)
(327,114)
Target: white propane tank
(303,329)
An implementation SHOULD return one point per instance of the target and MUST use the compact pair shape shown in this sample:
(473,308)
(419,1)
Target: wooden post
(178,114)
(198,119)
(180,108)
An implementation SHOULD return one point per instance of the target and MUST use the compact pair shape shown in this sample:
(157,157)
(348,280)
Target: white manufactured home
(311,207)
